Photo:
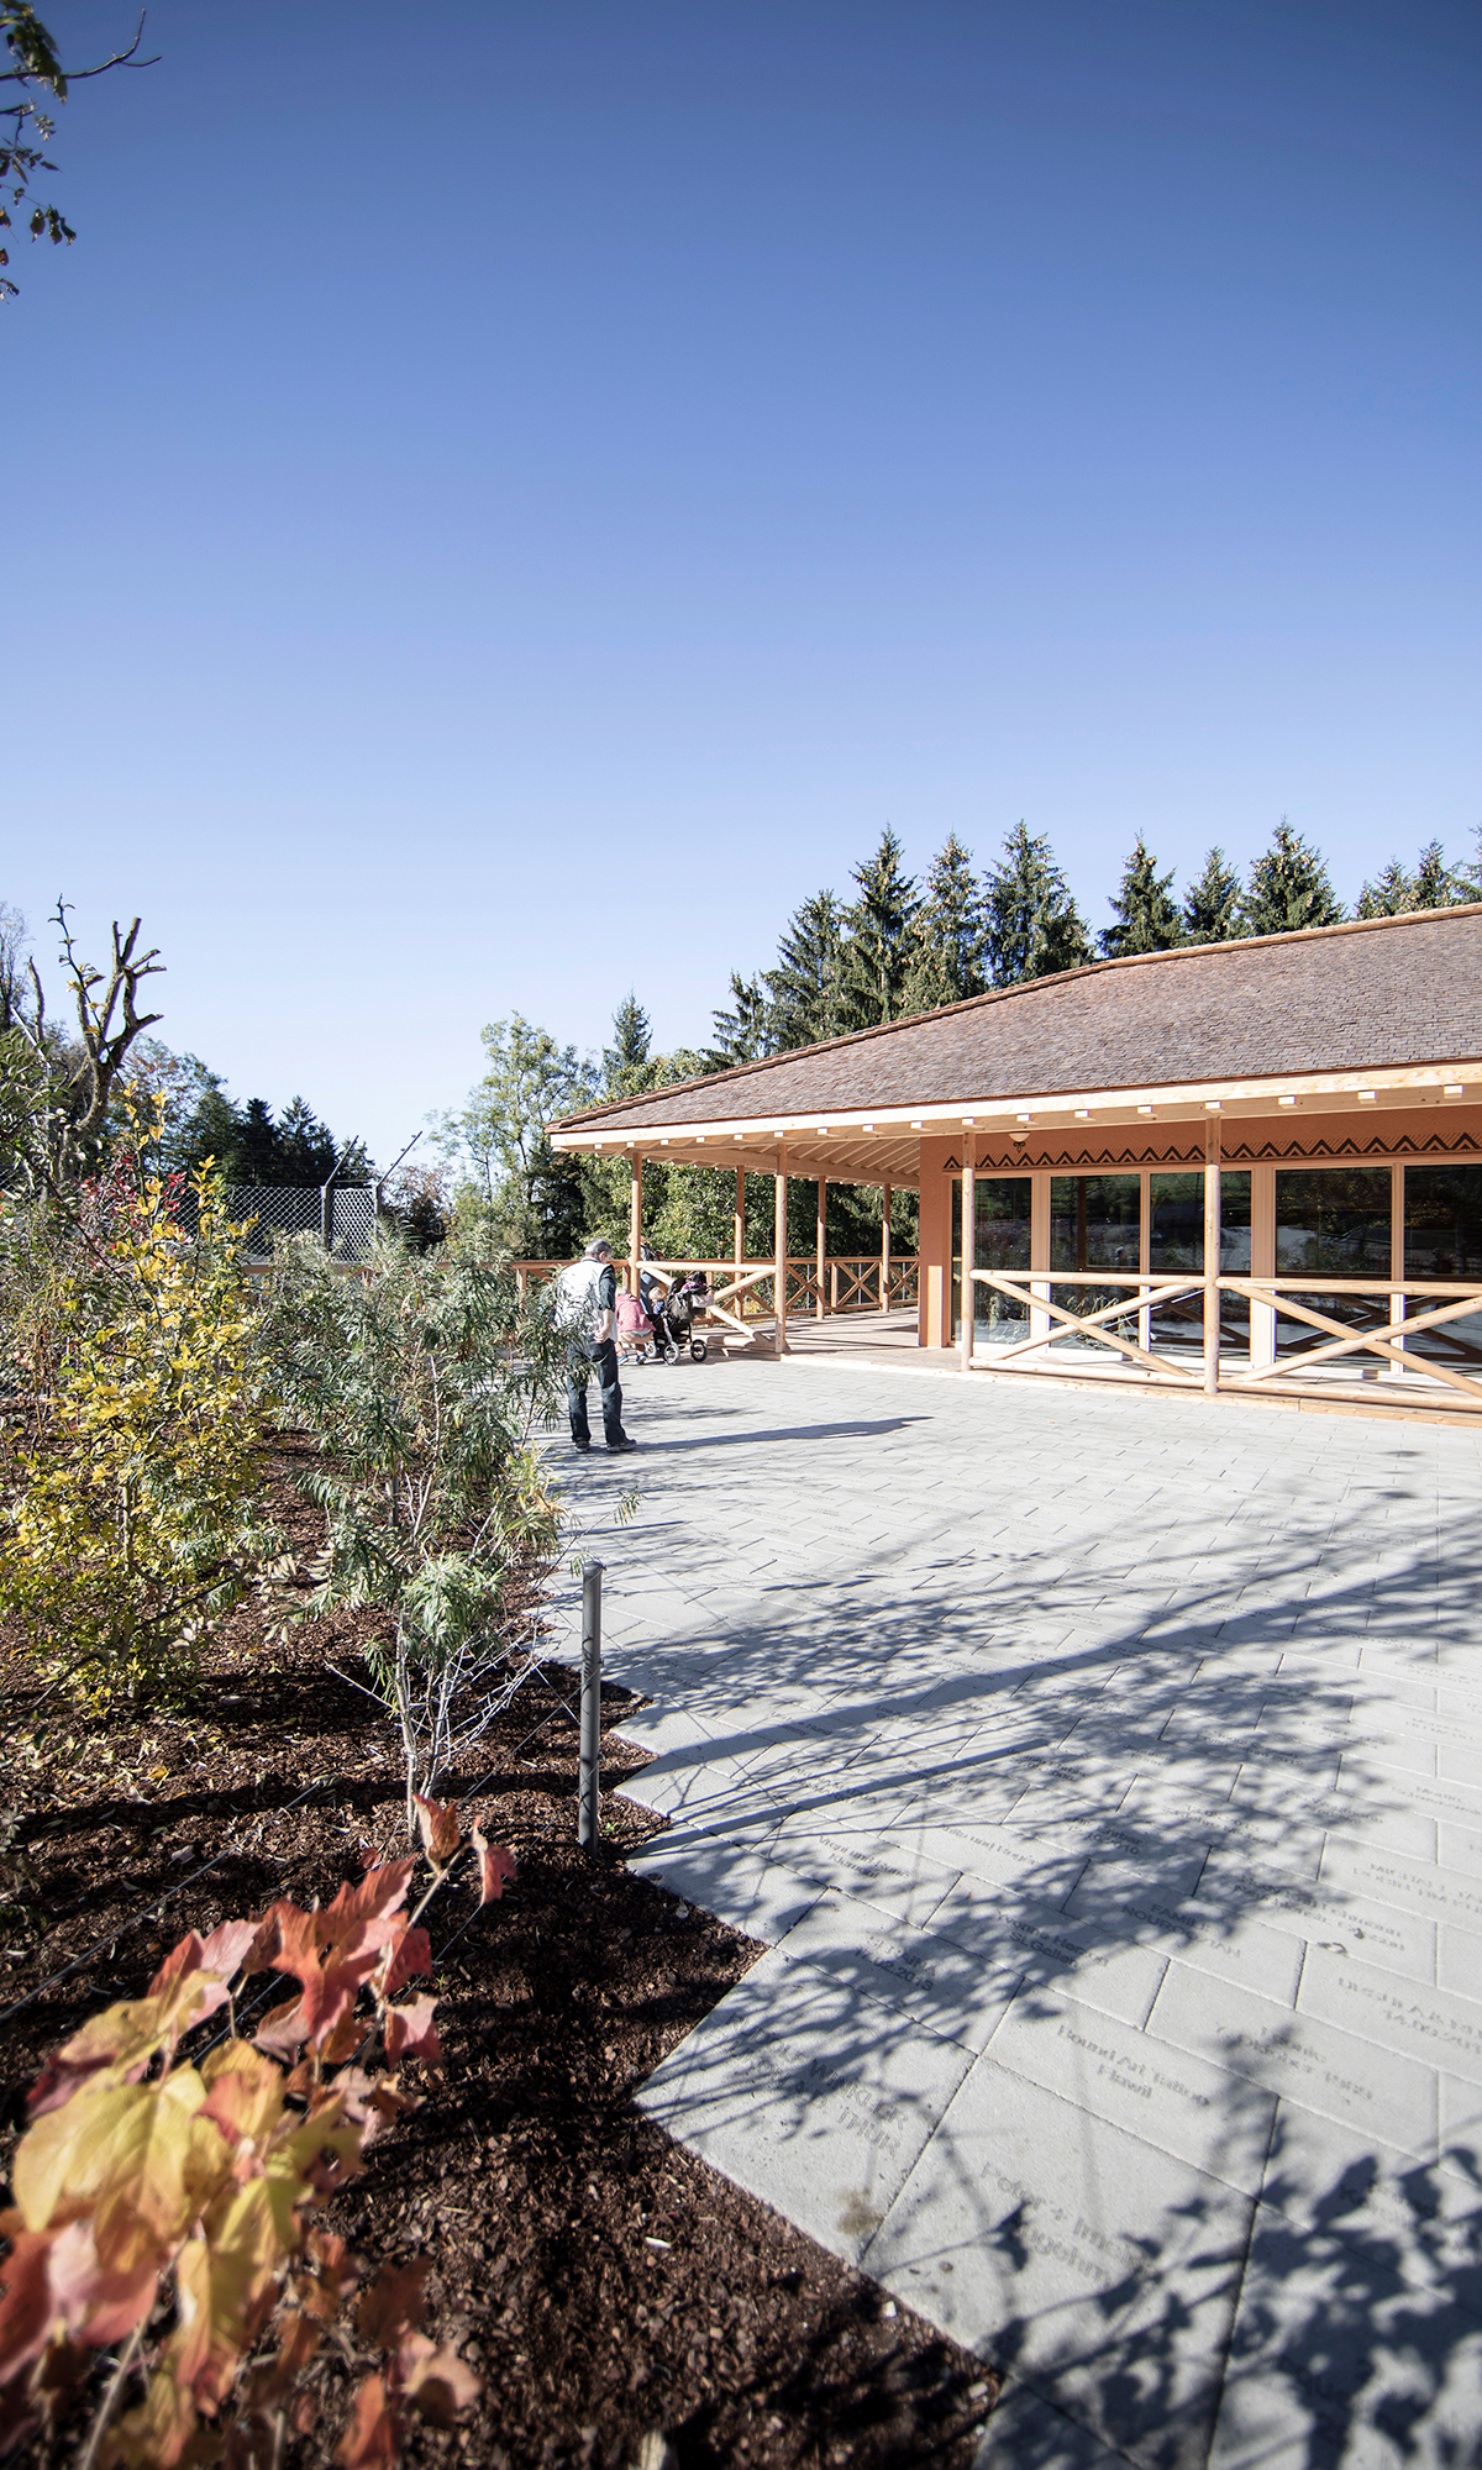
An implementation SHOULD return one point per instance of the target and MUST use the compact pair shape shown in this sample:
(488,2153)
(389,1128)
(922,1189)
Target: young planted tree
(949,953)
(1147,918)
(1288,888)
(806,986)
(1033,926)
(422,1386)
(880,935)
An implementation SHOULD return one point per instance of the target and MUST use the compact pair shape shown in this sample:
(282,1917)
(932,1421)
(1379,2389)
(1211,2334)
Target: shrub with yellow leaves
(134,1524)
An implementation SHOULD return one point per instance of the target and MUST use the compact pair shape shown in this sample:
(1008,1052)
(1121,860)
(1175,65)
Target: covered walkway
(1105,1783)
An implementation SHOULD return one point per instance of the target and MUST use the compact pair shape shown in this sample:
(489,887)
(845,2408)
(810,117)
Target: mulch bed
(607,2285)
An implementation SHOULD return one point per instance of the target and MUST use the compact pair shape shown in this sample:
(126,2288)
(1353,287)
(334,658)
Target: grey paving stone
(809,2094)
(1390,2097)
(1028,2433)
(1436,2026)
(1076,2257)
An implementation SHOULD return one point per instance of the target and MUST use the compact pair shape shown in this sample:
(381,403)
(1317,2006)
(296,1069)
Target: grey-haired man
(586,1308)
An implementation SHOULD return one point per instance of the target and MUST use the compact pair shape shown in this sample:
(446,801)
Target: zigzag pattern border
(1309,1152)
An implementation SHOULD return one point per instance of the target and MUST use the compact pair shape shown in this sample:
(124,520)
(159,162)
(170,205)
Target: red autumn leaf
(411,1955)
(410,2033)
(441,1832)
(496,1867)
(99,2303)
(436,2382)
(333,1952)
(26,2308)
(393,2305)
(369,2442)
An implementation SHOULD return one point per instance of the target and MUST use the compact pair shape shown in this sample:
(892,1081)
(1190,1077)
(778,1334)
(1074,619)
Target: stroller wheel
(671,1353)
(699,1349)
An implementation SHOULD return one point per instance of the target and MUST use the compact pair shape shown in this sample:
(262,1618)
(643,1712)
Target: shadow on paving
(1027,2044)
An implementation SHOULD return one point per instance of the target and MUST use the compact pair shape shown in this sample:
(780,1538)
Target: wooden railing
(1392,1335)
(742,1292)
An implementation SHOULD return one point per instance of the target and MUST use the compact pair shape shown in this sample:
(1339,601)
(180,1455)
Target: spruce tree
(632,1041)
(1033,925)
(806,987)
(743,1034)
(1390,895)
(877,950)
(1212,902)
(948,953)
(1147,920)
(1288,888)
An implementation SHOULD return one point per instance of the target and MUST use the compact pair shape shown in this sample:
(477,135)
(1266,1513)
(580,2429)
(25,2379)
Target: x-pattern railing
(1301,1300)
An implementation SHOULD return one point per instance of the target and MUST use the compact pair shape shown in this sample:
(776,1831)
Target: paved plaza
(1103,1774)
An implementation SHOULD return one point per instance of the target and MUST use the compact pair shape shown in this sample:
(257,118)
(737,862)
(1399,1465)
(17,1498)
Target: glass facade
(1002,1243)
(1443,1240)
(1333,1220)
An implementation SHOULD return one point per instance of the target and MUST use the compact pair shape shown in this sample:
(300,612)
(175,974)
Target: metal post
(589,1784)
(326,1210)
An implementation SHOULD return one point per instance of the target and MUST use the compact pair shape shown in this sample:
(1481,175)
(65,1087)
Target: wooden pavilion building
(1249,1167)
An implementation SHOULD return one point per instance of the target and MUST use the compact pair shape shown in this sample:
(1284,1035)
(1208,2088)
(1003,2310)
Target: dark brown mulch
(604,2282)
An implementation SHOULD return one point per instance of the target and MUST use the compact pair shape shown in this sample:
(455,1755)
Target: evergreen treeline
(902,946)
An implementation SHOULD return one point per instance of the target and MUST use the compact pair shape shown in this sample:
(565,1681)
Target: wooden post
(1211,1253)
(635,1222)
(819,1307)
(779,1250)
(885,1253)
(968,1291)
(739,1223)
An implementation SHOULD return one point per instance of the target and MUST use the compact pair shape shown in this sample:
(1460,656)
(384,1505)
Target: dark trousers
(583,1362)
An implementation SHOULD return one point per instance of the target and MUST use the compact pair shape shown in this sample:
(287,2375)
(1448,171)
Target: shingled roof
(1375,994)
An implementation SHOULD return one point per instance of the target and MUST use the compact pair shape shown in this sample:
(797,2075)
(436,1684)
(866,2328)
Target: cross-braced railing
(1409,1333)
(743,1292)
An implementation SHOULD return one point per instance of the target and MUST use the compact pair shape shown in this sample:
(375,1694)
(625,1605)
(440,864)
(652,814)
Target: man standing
(586,1308)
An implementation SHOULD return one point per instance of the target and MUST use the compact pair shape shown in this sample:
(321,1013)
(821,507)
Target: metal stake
(590,1780)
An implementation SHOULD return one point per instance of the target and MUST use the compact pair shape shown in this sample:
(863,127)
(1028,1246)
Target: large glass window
(1176,1245)
(1002,1243)
(1096,1223)
(1333,1221)
(1443,1240)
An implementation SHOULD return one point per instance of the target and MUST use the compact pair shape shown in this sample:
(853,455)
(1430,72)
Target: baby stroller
(674,1318)
(638,1341)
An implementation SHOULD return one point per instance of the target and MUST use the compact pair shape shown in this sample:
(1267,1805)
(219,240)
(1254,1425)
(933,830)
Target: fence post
(589,1783)
(326,1211)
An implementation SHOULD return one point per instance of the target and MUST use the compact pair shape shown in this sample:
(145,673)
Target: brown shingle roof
(1376,993)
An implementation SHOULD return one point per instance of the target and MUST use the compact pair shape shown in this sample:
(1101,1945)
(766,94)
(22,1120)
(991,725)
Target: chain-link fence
(346,1214)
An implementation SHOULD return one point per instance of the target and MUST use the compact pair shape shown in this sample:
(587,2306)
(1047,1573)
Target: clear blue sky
(505,499)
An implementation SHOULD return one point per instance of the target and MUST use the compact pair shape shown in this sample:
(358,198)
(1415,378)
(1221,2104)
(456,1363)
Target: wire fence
(343,1218)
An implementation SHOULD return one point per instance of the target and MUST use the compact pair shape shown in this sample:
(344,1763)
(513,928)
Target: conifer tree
(806,987)
(947,960)
(1390,895)
(1146,919)
(1033,925)
(1288,888)
(877,951)
(743,1034)
(1212,902)
(632,1043)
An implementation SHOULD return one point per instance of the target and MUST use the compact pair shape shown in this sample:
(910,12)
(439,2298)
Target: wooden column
(1145,1258)
(739,1222)
(635,1222)
(819,1306)
(779,1250)
(1211,1253)
(968,1292)
(885,1252)
(934,1248)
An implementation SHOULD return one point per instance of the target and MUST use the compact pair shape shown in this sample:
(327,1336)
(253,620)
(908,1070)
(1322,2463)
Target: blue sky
(504,500)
